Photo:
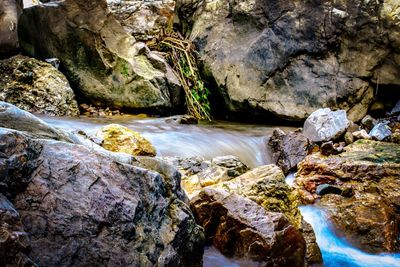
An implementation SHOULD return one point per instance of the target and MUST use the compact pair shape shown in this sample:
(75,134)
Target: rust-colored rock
(239,227)
(368,175)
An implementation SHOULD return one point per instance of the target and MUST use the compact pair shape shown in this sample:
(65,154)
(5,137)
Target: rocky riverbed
(95,170)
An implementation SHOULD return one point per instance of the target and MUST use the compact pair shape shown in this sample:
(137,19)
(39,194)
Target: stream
(248,142)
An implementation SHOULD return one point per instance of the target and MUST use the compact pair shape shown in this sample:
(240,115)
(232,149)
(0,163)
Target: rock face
(325,125)
(288,149)
(10,10)
(83,209)
(143,19)
(119,138)
(103,62)
(368,216)
(239,227)
(37,87)
(290,58)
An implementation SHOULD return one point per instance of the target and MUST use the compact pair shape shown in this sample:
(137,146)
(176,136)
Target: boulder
(288,149)
(83,209)
(366,221)
(103,62)
(37,87)
(119,138)
(266,186)
(218,170)
(14,241)
(367,174)
(144,19)
(10,11)
(287,58)
(239,227)
(380,132)
(325,125)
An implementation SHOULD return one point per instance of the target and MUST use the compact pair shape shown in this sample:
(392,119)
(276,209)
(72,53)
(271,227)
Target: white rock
(361,135)
(380,132)
(325,125)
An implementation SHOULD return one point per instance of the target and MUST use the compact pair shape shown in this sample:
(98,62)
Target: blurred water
(248,142)
(338,252)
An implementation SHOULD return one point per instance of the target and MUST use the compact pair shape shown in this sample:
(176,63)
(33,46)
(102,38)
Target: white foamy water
(336,251)
(248,142)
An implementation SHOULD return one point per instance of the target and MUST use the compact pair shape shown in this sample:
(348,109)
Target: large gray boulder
(37,87)
(83,209)
(290,58)
(142,18)
(10,10)
(102,61)
(325,125)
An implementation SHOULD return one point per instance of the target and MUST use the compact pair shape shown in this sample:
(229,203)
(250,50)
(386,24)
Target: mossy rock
(118,138)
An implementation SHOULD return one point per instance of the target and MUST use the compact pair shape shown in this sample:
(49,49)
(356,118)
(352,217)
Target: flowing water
(248,142)
(208,140)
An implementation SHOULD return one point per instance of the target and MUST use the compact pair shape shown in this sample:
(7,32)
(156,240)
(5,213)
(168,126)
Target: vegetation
(181,55)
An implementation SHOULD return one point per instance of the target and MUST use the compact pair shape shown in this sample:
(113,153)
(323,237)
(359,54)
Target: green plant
(181,55)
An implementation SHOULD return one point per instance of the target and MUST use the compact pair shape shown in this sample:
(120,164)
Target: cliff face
(290,58)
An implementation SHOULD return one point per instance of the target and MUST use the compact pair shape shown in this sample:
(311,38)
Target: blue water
(337,251)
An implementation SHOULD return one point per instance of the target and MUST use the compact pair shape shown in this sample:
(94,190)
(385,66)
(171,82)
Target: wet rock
(380,132)
(143,19)
(368,122)
(288,149)
(361,135)
(366,221)
(324,189)
(220,169)
(119,138)
(367,173)
(37,87)
(81,208)
(364,160)
(182,119)
(102,61)
(325,125)
(241,228)
(10,11)
(313,253)
(14,241)
(287,58)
